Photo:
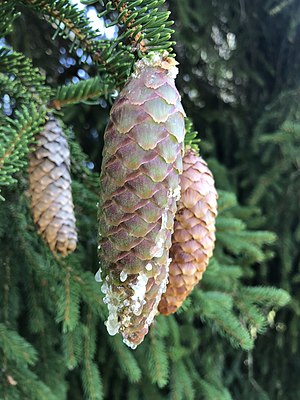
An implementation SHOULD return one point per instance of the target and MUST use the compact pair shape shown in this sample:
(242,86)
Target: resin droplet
(149,267)
(104,288)
(139,289)
(129,344)
(123,276)
(98,276)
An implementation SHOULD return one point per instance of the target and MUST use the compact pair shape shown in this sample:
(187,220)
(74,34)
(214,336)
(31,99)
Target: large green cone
(142,160)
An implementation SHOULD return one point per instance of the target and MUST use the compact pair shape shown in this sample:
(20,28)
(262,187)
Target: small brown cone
(194,232)
(50,189)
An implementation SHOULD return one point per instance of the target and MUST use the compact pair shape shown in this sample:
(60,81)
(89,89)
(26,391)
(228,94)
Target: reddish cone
(194,232)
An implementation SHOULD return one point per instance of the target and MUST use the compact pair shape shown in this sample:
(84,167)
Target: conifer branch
(127,362)
(91,379)
(72,347)
(89,89)
(268,296)
(144,26)
(68,302)
(229,326)
(211,391)
(67,297)
(191,137)
(144,29)
(90,292)
(111,57)
(158,361)
(15,137)
(126,18)
(7,16)
(32,387)
(68,19)
(69,344)
(252,316)
(25,81)
(183,355)
(15,347)
(175,384)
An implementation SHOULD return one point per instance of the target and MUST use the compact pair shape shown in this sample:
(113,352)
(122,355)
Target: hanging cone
(50,189)
(194,232)
(142,160)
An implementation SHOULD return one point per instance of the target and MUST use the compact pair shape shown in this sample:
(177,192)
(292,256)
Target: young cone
(142,160)
(50,189)
(194,232)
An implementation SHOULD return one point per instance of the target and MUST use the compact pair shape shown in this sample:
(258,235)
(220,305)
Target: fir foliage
(82,92)
(26,81)
(7,17)
(221,307)
(53,344)
(15,136)
(24,92)
(143,27)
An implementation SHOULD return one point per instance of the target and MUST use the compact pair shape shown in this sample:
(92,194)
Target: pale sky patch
(96,23)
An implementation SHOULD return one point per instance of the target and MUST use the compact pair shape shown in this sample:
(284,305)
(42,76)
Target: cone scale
(139,187)
(50,189)
(194,232)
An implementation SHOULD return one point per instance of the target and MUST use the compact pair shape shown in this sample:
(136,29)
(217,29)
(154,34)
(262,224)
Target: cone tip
(156,59)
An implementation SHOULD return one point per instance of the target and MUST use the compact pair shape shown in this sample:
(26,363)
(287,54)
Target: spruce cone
(142,160)
(194,232)
(50,189)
